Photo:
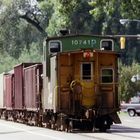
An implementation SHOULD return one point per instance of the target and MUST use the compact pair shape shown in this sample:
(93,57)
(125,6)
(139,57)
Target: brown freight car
(1,94)
(19,88)
(32,92)
(19,107)
(8,89)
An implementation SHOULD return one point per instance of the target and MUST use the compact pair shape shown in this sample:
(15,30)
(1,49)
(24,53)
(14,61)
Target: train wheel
(52,126)
(65,127)
(103,123)
(53,121)
(102,129)
(103,126)
(6,115)
(59,125)
(70,126)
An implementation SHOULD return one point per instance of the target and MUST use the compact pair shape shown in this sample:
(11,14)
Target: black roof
(76,35)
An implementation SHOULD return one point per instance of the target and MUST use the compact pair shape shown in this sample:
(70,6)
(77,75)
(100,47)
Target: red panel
(33,86)
(8,90)
(19,87)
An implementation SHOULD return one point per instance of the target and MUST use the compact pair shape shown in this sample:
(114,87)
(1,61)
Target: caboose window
(107,44)
(86,71)
(55,46)
(107,76)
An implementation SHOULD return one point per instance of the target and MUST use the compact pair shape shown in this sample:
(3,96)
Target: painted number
(84,42)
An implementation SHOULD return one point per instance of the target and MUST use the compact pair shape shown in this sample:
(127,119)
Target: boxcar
(1,95)
(8,95)
(32,87)
(32,93)
(8,91)
(1,90)
(19,85)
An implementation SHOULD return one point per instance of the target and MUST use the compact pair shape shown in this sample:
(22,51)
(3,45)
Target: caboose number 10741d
(80,88)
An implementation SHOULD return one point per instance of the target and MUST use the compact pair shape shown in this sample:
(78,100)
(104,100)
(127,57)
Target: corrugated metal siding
(1,90)
(19,87)
(8,90)
(33,86)
(18,70)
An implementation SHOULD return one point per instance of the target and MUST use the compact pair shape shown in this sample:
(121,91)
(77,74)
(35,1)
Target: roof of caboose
(82,41)
(77,35)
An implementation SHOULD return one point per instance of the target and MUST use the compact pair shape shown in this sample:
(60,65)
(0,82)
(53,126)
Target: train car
(8,90)
(19,85)
(1,90)
(1,94)
(19,107)
(21,93)
(32,93)
(8,93)
(80,82)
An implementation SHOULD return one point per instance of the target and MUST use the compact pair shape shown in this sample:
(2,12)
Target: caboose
(80,82)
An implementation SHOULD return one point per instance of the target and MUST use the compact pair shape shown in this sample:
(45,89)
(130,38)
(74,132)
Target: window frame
(54,41)
(107,40)
(108,76)
(91,71)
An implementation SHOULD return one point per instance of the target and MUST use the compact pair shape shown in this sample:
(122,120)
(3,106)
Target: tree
(61,17)
(130,9)
(106,13)
(127,88)
(7,62)
(21,24)
(82,21)
(111,11)
(73,15)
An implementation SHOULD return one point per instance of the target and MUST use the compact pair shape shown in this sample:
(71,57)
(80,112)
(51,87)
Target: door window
(107,75)
(86,69)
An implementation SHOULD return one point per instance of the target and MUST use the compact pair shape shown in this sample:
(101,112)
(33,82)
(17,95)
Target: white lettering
(88,42)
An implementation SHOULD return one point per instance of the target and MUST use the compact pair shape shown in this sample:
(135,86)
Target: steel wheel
(70,127)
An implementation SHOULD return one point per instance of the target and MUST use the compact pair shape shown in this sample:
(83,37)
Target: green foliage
(73,15)
(15,33)
(107,14)
(130,9)
(111,11)
(127,88)
(82,21)
(33,55)
(6,62)
(61,17)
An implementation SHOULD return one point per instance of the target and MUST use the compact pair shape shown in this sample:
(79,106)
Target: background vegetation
(25,23)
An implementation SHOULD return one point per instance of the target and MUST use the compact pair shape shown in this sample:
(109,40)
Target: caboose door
(75,81)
